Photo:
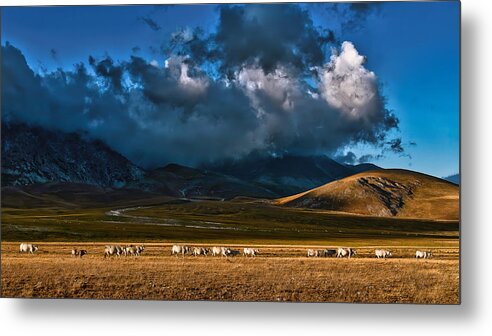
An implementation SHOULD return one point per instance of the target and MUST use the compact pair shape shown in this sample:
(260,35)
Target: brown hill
(384,193)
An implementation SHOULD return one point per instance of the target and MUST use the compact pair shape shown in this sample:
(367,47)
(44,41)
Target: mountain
(456,178)
(386,193)
(182,181)
(284,175)
(37,155)
(363,167)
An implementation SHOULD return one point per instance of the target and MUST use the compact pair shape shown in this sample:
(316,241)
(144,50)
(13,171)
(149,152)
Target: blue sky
(413,49)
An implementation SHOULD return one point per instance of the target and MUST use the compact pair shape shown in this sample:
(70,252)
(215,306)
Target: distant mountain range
(181,181)
(41,167)
(34,155)
(289,174)
(45,168)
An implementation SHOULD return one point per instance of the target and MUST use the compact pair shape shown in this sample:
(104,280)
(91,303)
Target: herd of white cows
(214,251)
(182,250)
(117,250)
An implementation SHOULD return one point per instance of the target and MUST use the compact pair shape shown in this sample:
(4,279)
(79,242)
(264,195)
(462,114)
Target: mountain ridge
(33,154)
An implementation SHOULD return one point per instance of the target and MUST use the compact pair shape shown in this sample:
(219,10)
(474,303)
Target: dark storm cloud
(20,88)
(328,37)
(366,158)
(54,54)
(353,16)
(348,158)
(193,42)
(171,117)
(260,101)
(150,23)
(106,69)
(268,34)
(395,145)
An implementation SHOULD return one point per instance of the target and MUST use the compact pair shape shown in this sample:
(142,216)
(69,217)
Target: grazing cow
(82,253)
(330,253)
(140,249)
(343,252)
(110,250)
(127,250)
(383,254)
(119,250)
(312,253)
(423,254)
(232,253)
(78,253)
(199,251)
(224,251)
(216,251)
(133,250)
(178,249)
(248,251)
(28,248)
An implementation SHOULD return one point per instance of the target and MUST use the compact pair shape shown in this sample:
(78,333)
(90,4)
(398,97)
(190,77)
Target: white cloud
(348,86)
(179,68)
(278,85)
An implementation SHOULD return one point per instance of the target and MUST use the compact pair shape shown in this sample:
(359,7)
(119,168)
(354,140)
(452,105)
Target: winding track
(122,213)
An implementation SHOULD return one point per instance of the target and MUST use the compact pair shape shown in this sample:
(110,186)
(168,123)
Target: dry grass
(390,192)
(281,273)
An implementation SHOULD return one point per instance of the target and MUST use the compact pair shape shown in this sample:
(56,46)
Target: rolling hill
(384,193)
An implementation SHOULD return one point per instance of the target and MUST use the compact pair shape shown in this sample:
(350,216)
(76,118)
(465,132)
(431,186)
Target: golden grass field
(280,273)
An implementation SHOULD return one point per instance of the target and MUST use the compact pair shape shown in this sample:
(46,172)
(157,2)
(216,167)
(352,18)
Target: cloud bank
(262,83)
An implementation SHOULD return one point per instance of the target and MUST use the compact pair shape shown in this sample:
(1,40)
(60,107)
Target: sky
(194,84)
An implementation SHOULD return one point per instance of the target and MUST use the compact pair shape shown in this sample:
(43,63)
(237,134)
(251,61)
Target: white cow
(133,250)
(113,250)
(28,248)
(216,251)
(312,253)
(248,251)
(343,252)
(178,249)
(383,253)
(109,250)
(199,251)
(423,254)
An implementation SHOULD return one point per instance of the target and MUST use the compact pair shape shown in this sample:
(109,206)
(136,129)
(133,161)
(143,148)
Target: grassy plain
(280,273)
(237,221)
